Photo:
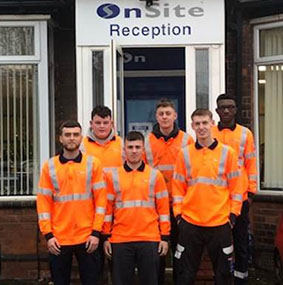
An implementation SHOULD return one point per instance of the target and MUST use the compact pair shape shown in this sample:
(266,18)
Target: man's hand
(91,244)
(163,248)
(107,248)
(53,246)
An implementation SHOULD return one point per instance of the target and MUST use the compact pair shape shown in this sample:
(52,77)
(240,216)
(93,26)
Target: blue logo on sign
(108,11)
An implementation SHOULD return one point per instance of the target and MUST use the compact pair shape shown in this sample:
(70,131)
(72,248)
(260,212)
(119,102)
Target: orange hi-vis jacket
(71,199)
(138,205)
(206,186)
(109,152)
(162,154)
(241,140)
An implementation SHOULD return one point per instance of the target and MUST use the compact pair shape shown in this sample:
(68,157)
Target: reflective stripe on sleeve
(52,172)
(44,216)
(237,197)
(152,181)
(185,140)
(72,197)
(148,151)
(162,194)
(108,218)
(179,177)
(250,155)
(45,191)
(110,197)
(100,210)
(244,136)
(187,161)
(252,177)
(165,167)
(108,169)
(135,203)
(89,165)
(116,185)
(98,185)
(164,218)
(177,199)
(233,174)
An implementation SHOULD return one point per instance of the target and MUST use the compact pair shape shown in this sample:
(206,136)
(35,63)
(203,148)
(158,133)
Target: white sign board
(131,22)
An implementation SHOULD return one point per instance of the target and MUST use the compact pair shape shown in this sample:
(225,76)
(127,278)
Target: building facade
(58,59)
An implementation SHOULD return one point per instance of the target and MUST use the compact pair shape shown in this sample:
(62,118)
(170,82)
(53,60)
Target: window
(23,106)
(269,70)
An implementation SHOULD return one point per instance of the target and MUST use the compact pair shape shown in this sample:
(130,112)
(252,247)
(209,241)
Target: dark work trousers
(191,242)
(173,243)
(143,255)
(241,245)
(61,265)
(101,263)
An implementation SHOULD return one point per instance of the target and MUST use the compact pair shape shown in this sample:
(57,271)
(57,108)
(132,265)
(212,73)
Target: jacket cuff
(232,219)
(251,195)
(165,238)
(95,234)
(49,236)
(105,237)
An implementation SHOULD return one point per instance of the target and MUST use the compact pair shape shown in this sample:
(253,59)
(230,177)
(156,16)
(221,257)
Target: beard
(71,146)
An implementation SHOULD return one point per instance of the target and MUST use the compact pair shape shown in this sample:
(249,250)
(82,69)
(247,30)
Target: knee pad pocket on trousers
(228,264)
(179,250)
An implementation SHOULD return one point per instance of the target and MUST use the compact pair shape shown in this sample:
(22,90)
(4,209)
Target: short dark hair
(225,97)
(134,136)
(201,112)
(165,102)
(69,124)
(101,111)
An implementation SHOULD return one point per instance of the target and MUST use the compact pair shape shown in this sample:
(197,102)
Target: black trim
(232,128)
(165,238)
(158,134)
(95,234)
(212,146)
(64,160)
(129,169)
(49,236)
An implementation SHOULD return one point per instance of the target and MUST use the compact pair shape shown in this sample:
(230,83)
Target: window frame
(261,25)
(40,58)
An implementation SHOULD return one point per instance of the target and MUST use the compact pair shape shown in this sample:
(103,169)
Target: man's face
(101,127)
(202,126)
(226,109)
(71,138)
(166,117)
(134,151)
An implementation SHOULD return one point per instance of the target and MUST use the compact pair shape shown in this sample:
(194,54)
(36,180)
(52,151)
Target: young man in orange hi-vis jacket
(162,146)
(71,204)
(137,221)
(206,201)
(241,140)
(101,140)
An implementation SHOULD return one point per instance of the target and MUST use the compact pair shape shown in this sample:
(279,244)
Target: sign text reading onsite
(131,22)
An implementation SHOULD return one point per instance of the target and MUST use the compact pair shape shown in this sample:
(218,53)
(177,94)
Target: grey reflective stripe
(228,250)
(109,169)
(122,150)
(164,218)
(135,203)
(242,146)
(53,174)
(252,177)
(89,165)
(177,199)
(233,174)
(98,185)
(206,180)
(44,216)
(187,161)
(44,191)
(152,181)
(223,158)
(148,151)
(108,218)
(100,210)
(82,147)
(179,177)
(250,155)
(165,167)
(116,185)
(73,197)
(110,197)
(241,275)
(185,140)
(162,194)
(237,197)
